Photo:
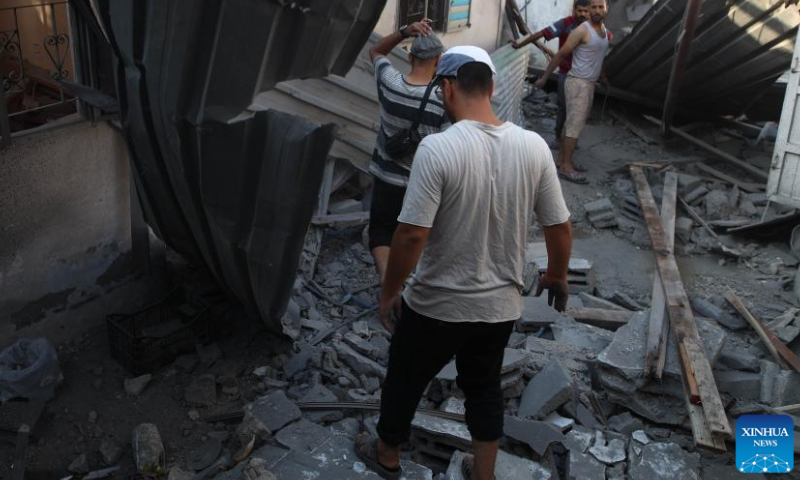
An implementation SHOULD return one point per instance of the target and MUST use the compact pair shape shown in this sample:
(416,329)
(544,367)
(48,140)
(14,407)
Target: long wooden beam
(712,149)
(655,353)
(710,425)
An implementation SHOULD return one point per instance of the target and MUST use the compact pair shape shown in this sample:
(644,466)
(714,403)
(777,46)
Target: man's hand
(419,29)
(557,291)
(390,310)
(540,83)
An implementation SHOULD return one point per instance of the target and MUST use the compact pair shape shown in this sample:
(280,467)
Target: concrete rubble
(601,213)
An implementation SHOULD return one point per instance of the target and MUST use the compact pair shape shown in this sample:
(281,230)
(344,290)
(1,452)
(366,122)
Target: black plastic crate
(151,338)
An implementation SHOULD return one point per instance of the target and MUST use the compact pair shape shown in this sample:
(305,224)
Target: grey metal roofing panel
(740,46)
(510,88)
(230,189)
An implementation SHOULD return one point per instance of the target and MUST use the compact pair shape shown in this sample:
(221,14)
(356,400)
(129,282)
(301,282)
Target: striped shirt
(399,103)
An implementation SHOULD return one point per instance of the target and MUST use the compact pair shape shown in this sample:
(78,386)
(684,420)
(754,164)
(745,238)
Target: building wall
(64,219)
(484,17)
(538,15)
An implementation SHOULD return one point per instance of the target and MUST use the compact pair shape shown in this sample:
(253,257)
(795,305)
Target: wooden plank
(789,408)
(697,218)
(781,352)
(743,186)
(600,317)
(691,381)
(712,149)
(680,311)
(341,220)
(658,327)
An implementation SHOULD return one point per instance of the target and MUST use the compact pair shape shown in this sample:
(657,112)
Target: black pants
(421,347)
(561,116)
(387,202)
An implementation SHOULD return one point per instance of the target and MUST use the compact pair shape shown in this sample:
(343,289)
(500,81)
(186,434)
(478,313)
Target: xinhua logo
(765,444)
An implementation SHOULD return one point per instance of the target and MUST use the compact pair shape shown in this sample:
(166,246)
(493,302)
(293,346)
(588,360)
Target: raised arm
(577,37)
(387,43)
(530,38)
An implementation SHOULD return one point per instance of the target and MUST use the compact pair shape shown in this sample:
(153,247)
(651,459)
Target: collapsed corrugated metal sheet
(740,47)
(229,188)
(351,102)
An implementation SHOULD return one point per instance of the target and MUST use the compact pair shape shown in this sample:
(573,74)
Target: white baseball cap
(456,57)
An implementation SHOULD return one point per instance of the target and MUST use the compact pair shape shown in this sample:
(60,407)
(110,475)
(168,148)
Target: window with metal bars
(411,11)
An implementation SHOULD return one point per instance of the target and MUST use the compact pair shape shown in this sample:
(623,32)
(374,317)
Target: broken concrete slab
(319,393)
(298,361)
(562,423)
(740,385)
(575,359)
(601,213)
(148,450)
(641,437)
(579,439)
(548,390)
(583,467)
(338,452)
(507,467)
(625,423)
(567,330)
(453,405)
(664,461)
(683,229)
(769,371)
(591,301)
(359,363)
(303,436)
(537,313)
(785,326)
(202,391)
(582,414)
(735,357)
(537,435)
(267,415)
(626,301)
(709,310)
(435,431)
(361,345)
(787,389)
(608,451)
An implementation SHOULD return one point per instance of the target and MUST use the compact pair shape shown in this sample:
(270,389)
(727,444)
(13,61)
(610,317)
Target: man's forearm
(552,65)
(386,45)
(528,39)
(558,239)
(407,245)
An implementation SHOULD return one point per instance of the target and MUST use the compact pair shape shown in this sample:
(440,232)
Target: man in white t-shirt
(471,196)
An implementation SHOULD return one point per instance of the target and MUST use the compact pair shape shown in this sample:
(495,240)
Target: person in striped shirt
(400,97)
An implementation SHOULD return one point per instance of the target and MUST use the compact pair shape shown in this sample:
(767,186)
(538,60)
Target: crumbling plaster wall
(483,32)
(64,219)
(538,14)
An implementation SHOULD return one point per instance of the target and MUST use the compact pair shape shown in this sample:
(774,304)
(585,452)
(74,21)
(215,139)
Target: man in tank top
(588,44)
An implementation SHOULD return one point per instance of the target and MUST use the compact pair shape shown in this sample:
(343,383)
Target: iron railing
(13,75)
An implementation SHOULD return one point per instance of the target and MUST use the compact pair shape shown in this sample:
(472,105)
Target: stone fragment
(717,205)
(785,326)
(737,358)
(267,415)
(507,467)
(626,301)
(447,431)
(79,465)
(319,393)
(202,391)
(348,426)
(148,451)
(601,213)
(583,467)
(728,472)
(625,423)
(256,469)
(291,321)
(381,345)
(135,386)
(537,313)
(561,423)
(360,345)
(110,451)
(608,452)
(575,359)
(582,414)
(538,435)
(769,372)
(579,439)
(664,461)
(336,460)
(548,390)
(787,388)
(683,229)
(92,417)
(567,330)
(359,363)
(370,384)
(303,436)
(298,361)
(641,437)
(453,405)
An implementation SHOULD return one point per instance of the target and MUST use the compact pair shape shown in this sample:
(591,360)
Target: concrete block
(665,461)
(299,361)
(579,439)
(567,330)
(598,206)
(583,467)
(303,436)
(507,467)
(787,388)
(548,390)
(537,435)
(537,313)
(361,345)
(786,326)
(453,405)
(625,423)
(695,194)
(641,437)
(683,228)
(582,414)
(737,358)
(135,386)
(267,415)
(319,393)
(739,385)
(562,423)
(575,359)
(447,432)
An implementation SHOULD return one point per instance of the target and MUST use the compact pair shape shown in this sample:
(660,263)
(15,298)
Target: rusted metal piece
(685,39)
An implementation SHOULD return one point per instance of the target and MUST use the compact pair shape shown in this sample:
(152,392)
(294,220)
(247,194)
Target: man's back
(477,187)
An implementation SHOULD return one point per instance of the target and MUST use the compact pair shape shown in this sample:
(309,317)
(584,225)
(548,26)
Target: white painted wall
(539,14)
(484,17)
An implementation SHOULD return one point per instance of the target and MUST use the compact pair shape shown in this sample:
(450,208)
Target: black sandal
(366,448)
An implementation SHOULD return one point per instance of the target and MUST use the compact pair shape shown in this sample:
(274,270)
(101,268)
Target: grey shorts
(579,97)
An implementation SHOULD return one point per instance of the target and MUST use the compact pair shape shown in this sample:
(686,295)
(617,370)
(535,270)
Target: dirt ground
(93,381)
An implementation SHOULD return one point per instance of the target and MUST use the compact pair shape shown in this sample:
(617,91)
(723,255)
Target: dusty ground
(93,382)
